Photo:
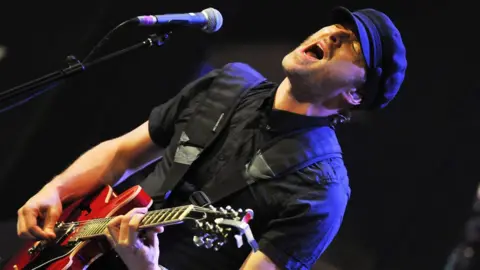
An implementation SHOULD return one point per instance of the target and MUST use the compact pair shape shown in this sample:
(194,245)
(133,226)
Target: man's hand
(137,253)
(44,207)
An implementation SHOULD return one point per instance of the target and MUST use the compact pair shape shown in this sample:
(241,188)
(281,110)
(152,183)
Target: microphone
(210,19)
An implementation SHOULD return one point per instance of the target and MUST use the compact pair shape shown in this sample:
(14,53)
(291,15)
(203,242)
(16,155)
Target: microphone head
(214,20)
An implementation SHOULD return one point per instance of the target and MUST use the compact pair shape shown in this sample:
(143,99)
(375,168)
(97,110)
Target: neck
(167,216)
(285,101)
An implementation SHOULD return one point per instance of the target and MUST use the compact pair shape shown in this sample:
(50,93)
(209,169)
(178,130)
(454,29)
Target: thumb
(53,213)
(158,229)
(151,238)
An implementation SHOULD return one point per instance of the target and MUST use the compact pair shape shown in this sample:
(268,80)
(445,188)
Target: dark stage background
(413,167)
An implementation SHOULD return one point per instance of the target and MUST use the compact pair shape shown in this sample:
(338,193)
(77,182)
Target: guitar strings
(100,220)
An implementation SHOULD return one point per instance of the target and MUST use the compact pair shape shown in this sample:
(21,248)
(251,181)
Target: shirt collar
(284,121)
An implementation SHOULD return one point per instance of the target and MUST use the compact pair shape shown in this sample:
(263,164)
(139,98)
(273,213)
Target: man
(356,63)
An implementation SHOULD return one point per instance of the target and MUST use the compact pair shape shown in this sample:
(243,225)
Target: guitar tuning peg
(212,207)
(218,228)
(199,224)
(198,241)
(235,213)
(223,210)
(228,208)
(208,242)
(218,245)
(209,226)
(240,210)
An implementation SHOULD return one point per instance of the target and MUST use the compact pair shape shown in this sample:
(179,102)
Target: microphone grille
(214,20)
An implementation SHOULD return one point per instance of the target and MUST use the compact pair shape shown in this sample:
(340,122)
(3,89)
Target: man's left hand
(141,253)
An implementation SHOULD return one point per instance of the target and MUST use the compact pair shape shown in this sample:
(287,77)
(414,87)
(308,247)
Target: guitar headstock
(215,226)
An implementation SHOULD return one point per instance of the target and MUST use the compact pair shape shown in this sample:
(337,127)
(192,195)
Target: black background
(413,166)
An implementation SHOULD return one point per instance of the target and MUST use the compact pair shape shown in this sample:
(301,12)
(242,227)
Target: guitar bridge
(37,247)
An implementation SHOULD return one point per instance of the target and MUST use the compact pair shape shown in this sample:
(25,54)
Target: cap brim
(341,15)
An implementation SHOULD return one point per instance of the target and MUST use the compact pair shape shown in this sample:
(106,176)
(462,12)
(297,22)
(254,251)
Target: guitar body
(67,254)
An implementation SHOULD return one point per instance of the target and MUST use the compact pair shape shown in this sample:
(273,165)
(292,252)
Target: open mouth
(314,51)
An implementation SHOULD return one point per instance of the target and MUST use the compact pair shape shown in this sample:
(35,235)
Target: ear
(352,97)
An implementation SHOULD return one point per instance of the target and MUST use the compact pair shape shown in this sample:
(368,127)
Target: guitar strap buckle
(199,198)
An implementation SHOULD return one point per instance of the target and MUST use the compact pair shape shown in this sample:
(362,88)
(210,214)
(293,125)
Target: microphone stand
(75,67)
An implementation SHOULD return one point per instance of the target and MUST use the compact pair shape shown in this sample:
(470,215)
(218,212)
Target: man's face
(327,63)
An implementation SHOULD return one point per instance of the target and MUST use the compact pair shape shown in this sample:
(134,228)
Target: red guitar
(80,230)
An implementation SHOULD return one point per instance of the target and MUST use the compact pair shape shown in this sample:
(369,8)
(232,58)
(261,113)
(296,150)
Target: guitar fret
(147,218)
(101,227)
(173,214)
(167,218)
(164,215)
(186,211)
(178,213)
(157,217)
(93,227)
(97,226)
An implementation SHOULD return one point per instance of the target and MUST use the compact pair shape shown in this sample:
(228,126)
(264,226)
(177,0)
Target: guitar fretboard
(167,216)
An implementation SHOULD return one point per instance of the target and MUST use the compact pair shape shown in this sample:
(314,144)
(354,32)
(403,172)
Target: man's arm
(102,165)
(105,163)
(258,260)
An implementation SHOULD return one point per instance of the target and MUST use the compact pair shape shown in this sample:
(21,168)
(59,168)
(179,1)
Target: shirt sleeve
(162,118)
(308,221)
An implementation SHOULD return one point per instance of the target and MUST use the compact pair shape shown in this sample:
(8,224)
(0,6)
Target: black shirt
(296,217)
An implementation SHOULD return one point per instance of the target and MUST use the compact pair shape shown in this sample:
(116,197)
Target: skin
(312,87)
(322,87)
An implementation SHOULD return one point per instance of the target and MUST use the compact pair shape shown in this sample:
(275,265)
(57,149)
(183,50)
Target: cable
(105,39)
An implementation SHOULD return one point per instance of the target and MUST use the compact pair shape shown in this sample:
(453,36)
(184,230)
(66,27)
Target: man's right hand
(45,208)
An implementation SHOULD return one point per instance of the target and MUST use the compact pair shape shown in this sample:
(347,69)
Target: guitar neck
(163,217)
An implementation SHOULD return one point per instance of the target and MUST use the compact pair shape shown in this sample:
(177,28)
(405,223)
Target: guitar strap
(209,119)
(293,152)
(281,156)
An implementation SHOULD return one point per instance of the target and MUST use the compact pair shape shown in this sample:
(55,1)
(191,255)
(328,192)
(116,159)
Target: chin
(287,62)
(291,66)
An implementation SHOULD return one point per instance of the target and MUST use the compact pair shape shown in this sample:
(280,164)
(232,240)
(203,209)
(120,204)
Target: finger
(53,213)
(125,231)
(110,238)
(30,219)
(115,222)
(113,229)
(138,210)
(151,237)
(22,231)
(159,229)
(133,228)
(128,229)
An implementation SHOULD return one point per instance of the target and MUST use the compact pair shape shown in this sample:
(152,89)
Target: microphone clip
(158,40)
